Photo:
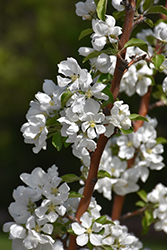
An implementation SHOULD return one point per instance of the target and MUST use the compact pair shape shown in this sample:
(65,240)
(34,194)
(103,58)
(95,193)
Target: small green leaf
(147,4)
(158,60)
(71,231)
(57,140)
(138,2)
(101,9)
(140,203)
(74,194)
(161,140)
(157,9)
(90,246)
(85,33)
(136,117)
(70,178)
(101,219)
(128,131)
(65,97)
(118,14)
(107,248)
(96,1)
(143,195)
(92,55)
(102,174)
(149,22)
(149,217)
(136,42)
(105,78)
(145,226)
(110,97)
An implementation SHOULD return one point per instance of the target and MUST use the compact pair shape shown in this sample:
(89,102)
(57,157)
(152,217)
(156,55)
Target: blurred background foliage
(34,37)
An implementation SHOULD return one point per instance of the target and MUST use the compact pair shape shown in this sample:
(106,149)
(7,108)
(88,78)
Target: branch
(134,213)
(96,156)
(157,104)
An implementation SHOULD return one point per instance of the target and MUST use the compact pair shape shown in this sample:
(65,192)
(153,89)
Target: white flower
(86,10)
(127,145)
(74,75)
(35,132)
(151,151)
(87,231)
(92,121)
(36,179)
(24,205)
(127,182)
(117,5)
(103,31)
(164,85)
(160,31)
(119,118)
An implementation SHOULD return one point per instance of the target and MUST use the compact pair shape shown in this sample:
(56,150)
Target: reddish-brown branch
(144,108)
(134,213)
(90,183)
(95,159)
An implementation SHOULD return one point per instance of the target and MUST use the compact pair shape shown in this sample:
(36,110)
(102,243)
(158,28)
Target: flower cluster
(158,197)
(79,109)
(102,232)
(33,224)
(143,146)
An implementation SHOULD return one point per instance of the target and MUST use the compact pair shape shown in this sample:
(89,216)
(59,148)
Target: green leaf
(138,2)
(66,144)
(101,9)
(136,117)
(92,55)
(143,195)
(105,78)
(70,178)
(147,4)
(161,140)
(102,174)
(65,97)
(107,248)
(149,217)
(145,226)
(128,131)
(57,140)
(96,2)
(157,9)
(149,22)
(101,219)
(71,231)
(52,121)
(74,194)
(118,14)
(90,246)
(158,60)
(110,97)
(136,42)
(140,203)
(85,33)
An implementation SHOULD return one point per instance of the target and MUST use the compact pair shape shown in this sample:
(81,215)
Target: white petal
(82,239)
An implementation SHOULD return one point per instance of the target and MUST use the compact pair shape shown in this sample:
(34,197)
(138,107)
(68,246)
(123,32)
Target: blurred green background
(34,37)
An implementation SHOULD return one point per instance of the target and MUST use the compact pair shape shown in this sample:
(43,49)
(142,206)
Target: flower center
(92,124)
(74,77)
(149,151)
(54,191)
(89,231)
(88,94)
(51,207)
(129,144)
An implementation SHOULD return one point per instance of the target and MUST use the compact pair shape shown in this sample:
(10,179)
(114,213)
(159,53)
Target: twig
(134,213)
(157,104)
(134,60)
